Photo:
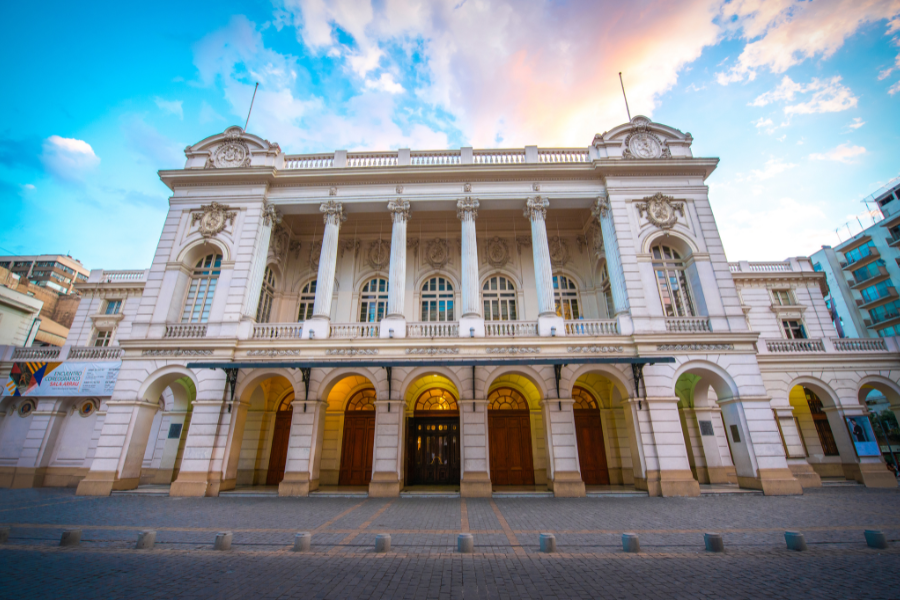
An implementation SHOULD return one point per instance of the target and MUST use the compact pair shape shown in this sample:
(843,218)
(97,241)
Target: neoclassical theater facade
(541,318)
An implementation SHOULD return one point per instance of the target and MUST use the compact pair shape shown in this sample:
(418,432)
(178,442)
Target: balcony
(431,158)
(880,275)
(760,267)
(859,344)
(36,353)
(277,331)
(781,346)
(688,325)
(185,330)
(433,329)
(510,329)
(891,318)
(872,256)
(891,294)
(354,330)
(592,327)
(893,241)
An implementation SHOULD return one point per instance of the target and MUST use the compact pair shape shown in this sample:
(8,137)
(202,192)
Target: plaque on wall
(174,431)
(706,428)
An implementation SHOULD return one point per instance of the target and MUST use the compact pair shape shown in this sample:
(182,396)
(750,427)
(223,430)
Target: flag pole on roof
(254,99)
(623,95)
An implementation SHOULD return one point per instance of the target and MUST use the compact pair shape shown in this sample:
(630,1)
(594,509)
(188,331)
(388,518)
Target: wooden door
(358,447)
(280,439)
(510,446)
(433,451)
(591,450)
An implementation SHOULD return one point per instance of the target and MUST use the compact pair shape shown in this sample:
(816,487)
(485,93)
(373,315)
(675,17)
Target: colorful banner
(56,379)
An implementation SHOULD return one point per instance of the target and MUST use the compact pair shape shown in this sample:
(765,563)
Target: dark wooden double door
(358,447)
(509,433)
(433,451)
(280,440)
(591,450)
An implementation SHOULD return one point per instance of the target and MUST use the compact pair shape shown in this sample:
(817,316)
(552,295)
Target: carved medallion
(437,253)
(660,210)
(379,254)
(644,144)
(315,252)
(559,251)
(497,254)
(232,153)
(213,219)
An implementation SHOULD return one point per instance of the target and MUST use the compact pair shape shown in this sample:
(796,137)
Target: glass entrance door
(433,451)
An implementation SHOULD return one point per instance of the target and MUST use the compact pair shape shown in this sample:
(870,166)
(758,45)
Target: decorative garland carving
(271,215)
(559,251)
(413,244)
(497,254)
(350,351)
(594,349)
(213,219)
(351,244)
(432,351)
(437,253)
(523,241)
(641,143)
(315,253)
(693,347)
(273,353)
(660,210)
(513,350)
(177,352)
(600,208)
(379,254)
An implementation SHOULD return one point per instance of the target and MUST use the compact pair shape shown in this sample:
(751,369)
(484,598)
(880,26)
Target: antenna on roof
(624,96)
(251,107)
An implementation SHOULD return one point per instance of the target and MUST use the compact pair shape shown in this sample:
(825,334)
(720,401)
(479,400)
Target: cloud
(792,228)
(856,123)
(766,125)
(773,167)
(844,153)
(68,159)
(894,88)
(28,187)
(385,83)
(787,32)
(827,96)
(172,107)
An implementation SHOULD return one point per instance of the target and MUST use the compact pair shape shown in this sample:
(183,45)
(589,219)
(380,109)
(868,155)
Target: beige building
(560,318)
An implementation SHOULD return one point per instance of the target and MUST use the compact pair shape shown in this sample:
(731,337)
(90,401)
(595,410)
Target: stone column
(719,468)
(475,459)
(395,319)
(549,323)
(792,439)
(387,452)
(471,320)
(301,471)
(269,219)
(603,213)
(565,470)
(318,326)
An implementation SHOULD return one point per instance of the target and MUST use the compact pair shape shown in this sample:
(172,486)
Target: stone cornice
(781,277)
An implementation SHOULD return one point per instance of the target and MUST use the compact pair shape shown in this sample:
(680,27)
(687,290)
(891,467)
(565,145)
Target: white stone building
(560,318)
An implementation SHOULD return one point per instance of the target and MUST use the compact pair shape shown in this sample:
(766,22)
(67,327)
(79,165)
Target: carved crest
(660,210)
(642,143)
(280,242)
(379,254)
(437,253)
(559,251)
(213,218)
(232,153)
(497,254)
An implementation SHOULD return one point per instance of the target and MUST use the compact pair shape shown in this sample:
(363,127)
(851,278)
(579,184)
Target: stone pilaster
(476,478)
(603,213)
(471,320)
(46,423)
(385,481)
(564,476)
(549,323)
(301,471)
(319,326)
(395,319)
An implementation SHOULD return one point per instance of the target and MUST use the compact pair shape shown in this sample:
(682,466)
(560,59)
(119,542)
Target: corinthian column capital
(467,209)
(271,215)
(601,207)
(333,213)
(399,209)
(536,208)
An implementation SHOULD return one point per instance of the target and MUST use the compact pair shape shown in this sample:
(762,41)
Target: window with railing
(202,289)
(868,271)
(113,307)
(307,301)
(671,282)
(783,298)
(884,312)
(373,300)
(877,291)
(102,339)
(64,268)
(565,294)
(889,331)
(499,296)
(794,330)
(266,297)
(860,252)
(437,300)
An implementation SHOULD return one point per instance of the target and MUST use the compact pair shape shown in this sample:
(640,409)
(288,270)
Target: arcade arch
(433,431)
(601,430)
(349,436)
(516,437)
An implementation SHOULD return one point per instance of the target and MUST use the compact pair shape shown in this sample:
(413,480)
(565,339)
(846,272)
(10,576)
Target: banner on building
(52,379)
(863,436)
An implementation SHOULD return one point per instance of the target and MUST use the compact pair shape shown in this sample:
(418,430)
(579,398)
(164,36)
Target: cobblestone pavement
(422,563)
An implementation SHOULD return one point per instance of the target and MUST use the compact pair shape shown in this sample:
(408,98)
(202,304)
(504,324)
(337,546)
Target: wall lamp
(471,332)
(553,332)
(391,333)
(312,334)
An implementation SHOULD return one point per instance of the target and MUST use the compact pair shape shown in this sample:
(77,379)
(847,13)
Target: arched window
(436,399)
(437,300)
(266,297)
(362,400)
(307,301)
(565,292)
(373,300)
(506,399)
(202,289)
(583,399)
(499,296)
(672,282)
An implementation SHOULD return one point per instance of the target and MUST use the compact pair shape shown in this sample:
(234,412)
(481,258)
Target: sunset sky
(799,100)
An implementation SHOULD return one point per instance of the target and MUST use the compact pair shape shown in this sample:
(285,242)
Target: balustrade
(309,161)
(430,157)
(95,353)
(688,325)
(118,276)
(372,159)
(498,157)
(859,345)
(32,353)
(185,330)
(510,329)
(795,345)
(594,327)
(354,330)
(277,331)
(435,329)
(563,155)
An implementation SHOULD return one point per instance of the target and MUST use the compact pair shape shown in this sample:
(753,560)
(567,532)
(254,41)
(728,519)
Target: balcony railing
(277,331)
(863,260)
(185,330)
(35,353)
(434,157)
(354,330)
(438,329)
(869,278)
(594,327)
(372,159)
(123,276)
(563,155)
(795,345)
(510,329)
(95,353)
(309,161)
(498,157)
(859,345)
(889,294)
(893,240)
(688,325)
(459,156)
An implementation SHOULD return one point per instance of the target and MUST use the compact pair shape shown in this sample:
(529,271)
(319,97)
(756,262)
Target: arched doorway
(359,439)
(433,440)
(589,435)
(509,433)
(281,436)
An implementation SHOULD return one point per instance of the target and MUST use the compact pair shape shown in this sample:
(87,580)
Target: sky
(799,99)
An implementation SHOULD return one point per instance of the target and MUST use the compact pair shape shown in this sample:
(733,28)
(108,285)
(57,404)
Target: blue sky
(800,100)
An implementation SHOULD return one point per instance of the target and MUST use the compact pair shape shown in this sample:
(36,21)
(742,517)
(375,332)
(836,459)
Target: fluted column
(269,219)
(471,321)
(394,325)
(548,321)
(603,213)
(318,326)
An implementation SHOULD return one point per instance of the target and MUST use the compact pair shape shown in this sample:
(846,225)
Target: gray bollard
(302,541)
(630,542)
(548,542)
(383,542)
(465,543)
(69,538)
(145,540)
(223,541)
(795,541)
(4,535)
(713,542)
(876,539)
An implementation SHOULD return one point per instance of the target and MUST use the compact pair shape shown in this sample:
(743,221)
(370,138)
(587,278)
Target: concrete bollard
(302,541)
(70,538)
(223,541)
(383,542)
(795,541)
(4,535)
(145,540)
(548,542)
(713,542)
(631,542)
(465,543)
(876,539)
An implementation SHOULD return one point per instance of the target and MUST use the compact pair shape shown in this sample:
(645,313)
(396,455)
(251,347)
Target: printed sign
(54,379)
(863,436)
